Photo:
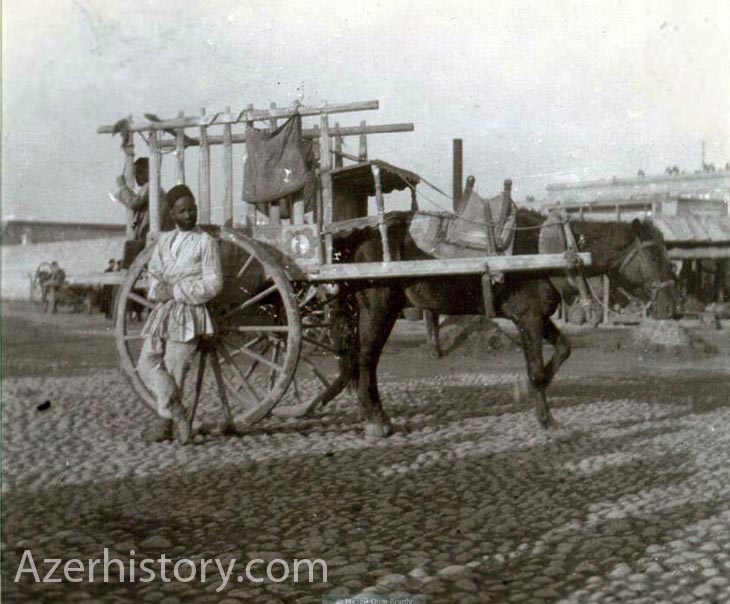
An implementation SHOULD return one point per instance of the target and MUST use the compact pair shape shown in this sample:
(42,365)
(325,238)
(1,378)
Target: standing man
(106,292)
(185,273)
(139,201)
(52,286)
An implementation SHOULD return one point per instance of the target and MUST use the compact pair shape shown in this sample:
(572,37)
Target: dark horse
(632,254)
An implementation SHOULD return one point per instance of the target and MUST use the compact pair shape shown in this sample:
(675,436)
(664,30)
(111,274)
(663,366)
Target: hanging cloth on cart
(275,164)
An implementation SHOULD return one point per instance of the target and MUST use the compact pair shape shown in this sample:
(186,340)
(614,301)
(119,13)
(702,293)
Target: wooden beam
(251,211)
(489,310)
(129,179)
(381,213)
(325,164)
(180,154)
(227,174)
(457,173)
(338,147)
(247,115)
(414,200)
(363,147)
(204,168)
(307,133)
(440,267)
(274,206)
(154,186)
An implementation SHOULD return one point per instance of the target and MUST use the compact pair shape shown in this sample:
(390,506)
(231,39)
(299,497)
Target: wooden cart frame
(281,324)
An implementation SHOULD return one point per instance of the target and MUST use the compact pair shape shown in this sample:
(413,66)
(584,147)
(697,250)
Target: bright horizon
(538,94)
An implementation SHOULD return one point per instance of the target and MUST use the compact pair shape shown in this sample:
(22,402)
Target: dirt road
(469,501)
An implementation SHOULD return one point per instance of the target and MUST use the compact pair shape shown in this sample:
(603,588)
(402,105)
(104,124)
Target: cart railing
(327,136)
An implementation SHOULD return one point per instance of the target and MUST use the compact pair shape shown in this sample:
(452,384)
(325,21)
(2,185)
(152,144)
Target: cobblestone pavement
(468,502)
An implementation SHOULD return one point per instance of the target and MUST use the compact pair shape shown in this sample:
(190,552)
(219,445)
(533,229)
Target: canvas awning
(359,177)
(694,229)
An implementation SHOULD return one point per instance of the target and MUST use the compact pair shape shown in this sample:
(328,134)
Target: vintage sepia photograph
(387,302)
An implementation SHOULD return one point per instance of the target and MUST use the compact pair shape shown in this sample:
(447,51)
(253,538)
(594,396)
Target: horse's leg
(431,319)
(562,348)
(530,327)
(378,309)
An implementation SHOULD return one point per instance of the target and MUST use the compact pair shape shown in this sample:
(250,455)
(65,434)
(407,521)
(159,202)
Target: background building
(26,232)
(691,210)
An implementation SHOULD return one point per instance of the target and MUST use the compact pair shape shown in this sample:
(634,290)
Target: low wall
(75,257)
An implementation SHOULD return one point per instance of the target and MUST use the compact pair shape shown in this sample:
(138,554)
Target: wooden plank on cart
(307,133)
(440,267)
(247,115)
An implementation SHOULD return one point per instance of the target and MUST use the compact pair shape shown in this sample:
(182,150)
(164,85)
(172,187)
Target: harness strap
(575,270)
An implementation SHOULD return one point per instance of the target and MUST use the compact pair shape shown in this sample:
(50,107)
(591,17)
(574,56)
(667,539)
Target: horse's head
(646,271)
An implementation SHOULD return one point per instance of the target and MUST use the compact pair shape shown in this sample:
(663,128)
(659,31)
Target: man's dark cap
(178,192)
(142,162)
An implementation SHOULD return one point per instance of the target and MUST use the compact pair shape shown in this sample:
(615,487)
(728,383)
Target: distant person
(41,276)
(107,294)
(139,201)
(184,274)
(52,287)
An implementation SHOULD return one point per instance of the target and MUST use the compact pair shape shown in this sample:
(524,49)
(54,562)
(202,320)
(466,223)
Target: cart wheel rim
(217,385)
(128,337)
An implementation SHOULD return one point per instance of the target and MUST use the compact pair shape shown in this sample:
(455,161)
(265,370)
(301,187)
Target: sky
(539,92)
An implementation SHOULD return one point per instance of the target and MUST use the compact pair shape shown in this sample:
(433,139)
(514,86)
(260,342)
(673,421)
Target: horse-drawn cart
(281,323)
(78,293)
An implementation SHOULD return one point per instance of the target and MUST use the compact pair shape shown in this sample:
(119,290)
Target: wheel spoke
(256,328)
(140,300)
(244,305)
(315,342)
(198,387)
(221,386)
(246,266)
(237,350)
(318,304)
(261,359)
(244,382)
(316,371)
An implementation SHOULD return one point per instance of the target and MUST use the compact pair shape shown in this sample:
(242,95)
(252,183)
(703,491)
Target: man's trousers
(162,366)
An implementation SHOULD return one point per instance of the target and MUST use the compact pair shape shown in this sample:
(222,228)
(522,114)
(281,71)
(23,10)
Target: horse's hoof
(435,354)
(550,424)
(378,429)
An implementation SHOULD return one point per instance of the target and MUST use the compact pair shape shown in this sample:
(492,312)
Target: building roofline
(98,225)
(637,180)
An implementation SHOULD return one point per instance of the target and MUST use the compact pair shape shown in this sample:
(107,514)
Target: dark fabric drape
(275,165)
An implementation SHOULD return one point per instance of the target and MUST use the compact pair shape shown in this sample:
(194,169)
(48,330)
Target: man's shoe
(158,432)
(181,424)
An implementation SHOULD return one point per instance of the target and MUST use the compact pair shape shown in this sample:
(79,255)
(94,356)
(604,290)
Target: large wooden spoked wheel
(323,370)
(243,369)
